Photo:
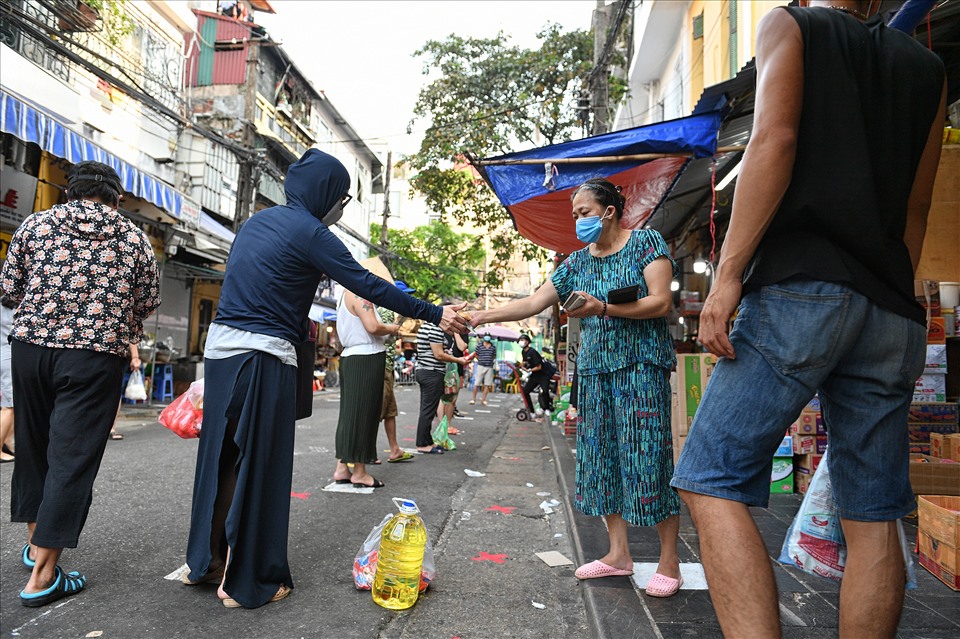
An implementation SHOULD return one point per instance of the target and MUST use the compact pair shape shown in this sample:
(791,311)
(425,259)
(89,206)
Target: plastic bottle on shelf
(397,582)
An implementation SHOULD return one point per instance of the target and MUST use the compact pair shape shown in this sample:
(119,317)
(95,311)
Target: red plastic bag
(184,415)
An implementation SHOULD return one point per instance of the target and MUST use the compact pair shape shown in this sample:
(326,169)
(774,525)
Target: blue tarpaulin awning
(538,196)
(31,124)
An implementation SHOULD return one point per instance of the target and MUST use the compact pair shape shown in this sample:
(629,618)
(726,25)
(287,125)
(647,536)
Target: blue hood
(316,182)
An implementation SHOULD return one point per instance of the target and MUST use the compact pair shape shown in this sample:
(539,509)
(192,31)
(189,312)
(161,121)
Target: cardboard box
(785,449)
(945,446)
(678,443)
(937,331)
(939,536)
(808,423)
(943,412)
(821,444)
(781,477)
(802,482)
(813,405)
(930,387)
(806,464)
(803,444)
(693,372)
(932,476)
(951,447)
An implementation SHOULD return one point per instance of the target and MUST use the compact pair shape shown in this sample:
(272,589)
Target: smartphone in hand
(575,301)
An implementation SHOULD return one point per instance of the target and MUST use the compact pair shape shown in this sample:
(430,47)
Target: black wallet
(623,295)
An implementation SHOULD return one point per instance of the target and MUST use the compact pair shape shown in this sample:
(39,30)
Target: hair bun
(619,189)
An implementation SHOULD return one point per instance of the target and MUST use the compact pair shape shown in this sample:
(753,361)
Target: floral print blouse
(84,276)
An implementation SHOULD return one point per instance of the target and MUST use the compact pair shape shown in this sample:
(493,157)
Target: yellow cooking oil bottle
(402,542)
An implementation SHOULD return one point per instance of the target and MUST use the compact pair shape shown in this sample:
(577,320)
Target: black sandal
(64,585)
(376,484)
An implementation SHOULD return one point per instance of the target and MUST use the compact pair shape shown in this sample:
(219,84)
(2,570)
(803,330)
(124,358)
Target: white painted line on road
(790,617)
(337,399)
(469,419)
(350,489)
(480,410)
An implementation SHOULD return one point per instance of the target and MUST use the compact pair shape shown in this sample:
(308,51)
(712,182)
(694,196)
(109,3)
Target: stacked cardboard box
(939,537)
(929,418)
(809,437)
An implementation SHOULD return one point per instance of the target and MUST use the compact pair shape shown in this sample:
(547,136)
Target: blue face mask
(590,228)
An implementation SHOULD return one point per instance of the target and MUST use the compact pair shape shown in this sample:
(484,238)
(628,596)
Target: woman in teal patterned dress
(624,446)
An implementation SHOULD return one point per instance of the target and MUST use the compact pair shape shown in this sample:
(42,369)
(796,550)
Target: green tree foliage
(489,98)
(438,262)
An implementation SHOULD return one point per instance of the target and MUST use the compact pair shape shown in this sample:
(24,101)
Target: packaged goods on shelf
(919,434)
(937,331)
(930,387)
(936,361)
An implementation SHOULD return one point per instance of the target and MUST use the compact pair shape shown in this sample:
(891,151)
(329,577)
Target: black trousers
(431,388)
(543,381)
(66,404)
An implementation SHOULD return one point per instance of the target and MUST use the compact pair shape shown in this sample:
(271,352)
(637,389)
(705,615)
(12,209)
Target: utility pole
(249,172)
(599,85)
(387,172)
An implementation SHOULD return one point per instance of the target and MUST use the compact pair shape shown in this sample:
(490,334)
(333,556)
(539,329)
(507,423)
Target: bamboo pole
(603,158)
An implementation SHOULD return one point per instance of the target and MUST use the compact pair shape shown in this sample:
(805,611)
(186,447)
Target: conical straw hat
(378,268)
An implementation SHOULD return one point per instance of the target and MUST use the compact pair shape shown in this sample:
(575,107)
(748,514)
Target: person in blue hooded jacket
(241,495)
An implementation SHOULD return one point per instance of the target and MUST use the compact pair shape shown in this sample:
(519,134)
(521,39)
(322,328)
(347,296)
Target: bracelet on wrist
(603,313)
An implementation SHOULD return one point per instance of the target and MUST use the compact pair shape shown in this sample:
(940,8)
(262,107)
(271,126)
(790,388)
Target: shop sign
(17,193)
(190,213)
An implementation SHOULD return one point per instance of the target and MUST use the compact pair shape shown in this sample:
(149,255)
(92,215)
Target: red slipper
(597,569)
(663,586)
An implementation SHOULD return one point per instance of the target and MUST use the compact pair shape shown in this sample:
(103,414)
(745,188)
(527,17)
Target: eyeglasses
(344,201)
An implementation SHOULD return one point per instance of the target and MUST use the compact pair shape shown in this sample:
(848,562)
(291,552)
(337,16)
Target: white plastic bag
(365,563)
(135,390)
(815,542)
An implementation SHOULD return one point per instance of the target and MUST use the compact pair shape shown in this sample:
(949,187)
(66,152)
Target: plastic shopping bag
(365,563)
(441,436)
(815,542)
(135,390)
(184,415)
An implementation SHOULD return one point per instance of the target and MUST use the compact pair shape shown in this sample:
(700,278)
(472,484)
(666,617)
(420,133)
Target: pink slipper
(663,586)
(596,569)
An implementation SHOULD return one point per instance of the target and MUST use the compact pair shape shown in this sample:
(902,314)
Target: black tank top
(869,100)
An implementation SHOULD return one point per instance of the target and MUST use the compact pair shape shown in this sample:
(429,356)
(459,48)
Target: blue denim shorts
(793,339)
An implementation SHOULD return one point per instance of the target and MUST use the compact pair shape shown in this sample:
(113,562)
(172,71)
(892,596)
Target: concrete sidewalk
(617,607)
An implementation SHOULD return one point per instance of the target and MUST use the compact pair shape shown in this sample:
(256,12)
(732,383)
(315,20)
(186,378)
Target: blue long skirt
(256,392)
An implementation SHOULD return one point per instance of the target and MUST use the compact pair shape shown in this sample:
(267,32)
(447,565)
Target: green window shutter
(698,26)
(208,35)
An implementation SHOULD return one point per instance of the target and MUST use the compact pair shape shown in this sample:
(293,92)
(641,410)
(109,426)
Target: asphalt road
(489,582)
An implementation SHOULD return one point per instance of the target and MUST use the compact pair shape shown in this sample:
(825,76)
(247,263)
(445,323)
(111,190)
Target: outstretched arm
(518,309)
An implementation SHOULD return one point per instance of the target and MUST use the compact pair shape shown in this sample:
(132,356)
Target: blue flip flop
(64,585)
(436,450)
(25,557)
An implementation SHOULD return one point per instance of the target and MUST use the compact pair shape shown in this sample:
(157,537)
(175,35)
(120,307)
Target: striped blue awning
(33,125)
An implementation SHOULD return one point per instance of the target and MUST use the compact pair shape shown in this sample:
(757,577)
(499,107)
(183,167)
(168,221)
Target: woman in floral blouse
(84,279)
